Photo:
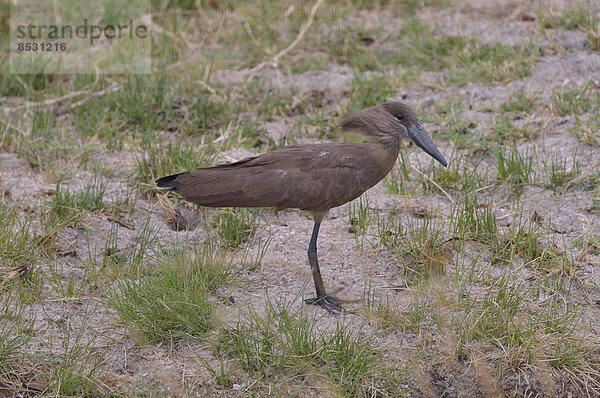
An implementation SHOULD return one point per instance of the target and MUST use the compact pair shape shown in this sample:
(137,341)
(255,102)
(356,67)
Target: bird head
(390,122)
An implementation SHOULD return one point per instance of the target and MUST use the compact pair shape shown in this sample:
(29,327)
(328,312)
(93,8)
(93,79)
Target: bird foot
(328,302)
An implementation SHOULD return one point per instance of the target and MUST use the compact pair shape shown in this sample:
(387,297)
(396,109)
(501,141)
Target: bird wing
(310,177)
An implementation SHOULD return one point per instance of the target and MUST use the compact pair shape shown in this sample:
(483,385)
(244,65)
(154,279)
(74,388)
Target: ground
(480,279)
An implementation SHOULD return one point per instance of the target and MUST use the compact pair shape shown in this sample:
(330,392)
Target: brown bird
(313,177)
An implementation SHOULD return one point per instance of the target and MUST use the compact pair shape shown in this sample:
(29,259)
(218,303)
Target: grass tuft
(174,302)
(234,226)
(285,346)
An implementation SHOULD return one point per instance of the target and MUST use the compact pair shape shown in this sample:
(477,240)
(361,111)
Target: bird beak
(417,133)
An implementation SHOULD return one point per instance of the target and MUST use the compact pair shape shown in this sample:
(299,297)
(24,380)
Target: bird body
(315,177)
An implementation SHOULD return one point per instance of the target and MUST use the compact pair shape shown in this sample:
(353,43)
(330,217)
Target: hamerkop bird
(313,177)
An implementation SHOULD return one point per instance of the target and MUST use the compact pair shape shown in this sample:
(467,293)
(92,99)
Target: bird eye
(400,116)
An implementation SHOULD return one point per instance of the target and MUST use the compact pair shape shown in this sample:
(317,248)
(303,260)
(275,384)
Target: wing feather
(310,177)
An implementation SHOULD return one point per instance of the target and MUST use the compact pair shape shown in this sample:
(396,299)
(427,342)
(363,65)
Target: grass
(107,261)
(16,237)
(466,60)
(175,302)
(75,372)
(589,131)
(369,91)
(361,218)
(424,248)
(499,320)
(576,101)
(416,317)
(156,161)
(468,272)
(522,239)
(562,171)
(70,207)
(520,102)
(447,115)
(47,147)
(516,168)
(503,131)
(15,327)
(234,226)
(396,180)
(496,319)
(578,15)
(461,175)
(285,346)
(474,221)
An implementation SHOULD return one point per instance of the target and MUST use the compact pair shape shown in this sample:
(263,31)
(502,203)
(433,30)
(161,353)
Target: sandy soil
(284,272)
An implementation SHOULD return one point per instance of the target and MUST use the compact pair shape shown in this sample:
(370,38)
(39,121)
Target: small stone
(37,384)
(239,387)
(367,41)
(527,16)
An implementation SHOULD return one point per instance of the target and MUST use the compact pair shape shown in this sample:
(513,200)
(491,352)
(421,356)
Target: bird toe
(329,302)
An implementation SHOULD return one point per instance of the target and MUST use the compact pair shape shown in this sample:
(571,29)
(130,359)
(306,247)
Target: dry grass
(480,279)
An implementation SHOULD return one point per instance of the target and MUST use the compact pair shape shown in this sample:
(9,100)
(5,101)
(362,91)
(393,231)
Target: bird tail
(168,182)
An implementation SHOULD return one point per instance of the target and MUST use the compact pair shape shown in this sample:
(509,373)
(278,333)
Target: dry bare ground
(482,279)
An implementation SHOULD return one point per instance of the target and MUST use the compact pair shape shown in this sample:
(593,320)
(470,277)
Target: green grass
(463,174)
(47,145)
(334,39)
(396,181)
(284,347)
(576,16)
(361,218)
(70,206)
(369,91)
(419,243)
(16,325)
(516,168)
(452,126)
(521,239)
(526,240)
(109,262)
(467,272)
(233,226)
(424,248)
(562,171)
(465,59)
(175,301)
(521,336)
(63,286)
(520,102)
(16,237)
(416,317)
(156,161)
(473,221)
(503,131)
(75,372)
(588,131)
(576,101)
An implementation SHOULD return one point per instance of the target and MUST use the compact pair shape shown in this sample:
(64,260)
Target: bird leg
(329,302)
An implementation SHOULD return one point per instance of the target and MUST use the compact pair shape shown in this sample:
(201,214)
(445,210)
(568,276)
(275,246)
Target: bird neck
(386,152)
